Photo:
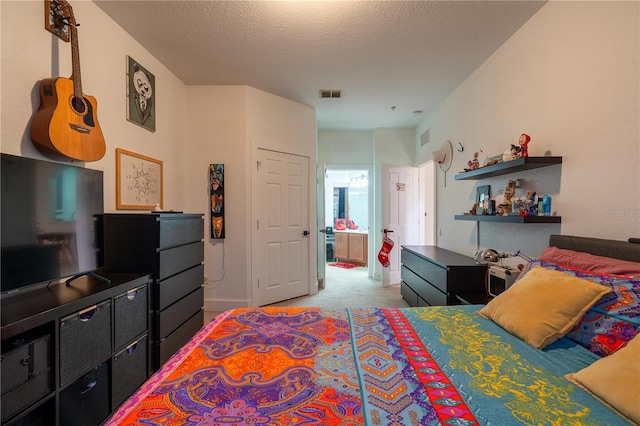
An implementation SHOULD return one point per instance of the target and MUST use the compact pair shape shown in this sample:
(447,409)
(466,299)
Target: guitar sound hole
(78,105)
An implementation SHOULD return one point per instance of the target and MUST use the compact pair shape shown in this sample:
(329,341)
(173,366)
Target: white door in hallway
(281,255)
(400,214)
(321,172)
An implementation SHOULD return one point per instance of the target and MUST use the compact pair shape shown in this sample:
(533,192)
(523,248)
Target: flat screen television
(48,214)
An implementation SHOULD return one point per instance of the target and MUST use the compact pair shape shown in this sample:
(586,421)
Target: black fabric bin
(129,370)
(86,401)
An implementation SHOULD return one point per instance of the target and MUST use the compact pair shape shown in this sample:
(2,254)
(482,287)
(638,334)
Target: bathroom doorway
(348,215)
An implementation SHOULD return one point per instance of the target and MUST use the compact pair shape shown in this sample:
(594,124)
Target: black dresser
(169,247)
(432,276)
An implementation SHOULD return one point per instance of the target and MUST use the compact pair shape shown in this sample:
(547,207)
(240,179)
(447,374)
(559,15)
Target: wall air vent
(425,137)
(330,93)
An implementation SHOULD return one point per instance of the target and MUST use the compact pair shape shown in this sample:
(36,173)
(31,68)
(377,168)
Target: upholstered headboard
(610,248)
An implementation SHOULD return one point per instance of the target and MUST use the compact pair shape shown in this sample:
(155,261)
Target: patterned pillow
(614,319)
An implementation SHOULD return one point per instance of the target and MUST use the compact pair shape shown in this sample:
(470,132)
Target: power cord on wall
(218,282)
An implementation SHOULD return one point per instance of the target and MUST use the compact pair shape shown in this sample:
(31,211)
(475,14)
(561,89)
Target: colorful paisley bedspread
(306,366)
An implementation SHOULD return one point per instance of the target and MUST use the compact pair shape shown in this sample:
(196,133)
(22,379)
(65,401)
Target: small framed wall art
(216,187)
(141,95)
(138,181)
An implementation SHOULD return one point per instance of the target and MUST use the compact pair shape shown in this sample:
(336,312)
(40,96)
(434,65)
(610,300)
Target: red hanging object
(383,255)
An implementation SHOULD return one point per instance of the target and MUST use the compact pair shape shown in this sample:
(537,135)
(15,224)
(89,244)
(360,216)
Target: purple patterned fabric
(614,319)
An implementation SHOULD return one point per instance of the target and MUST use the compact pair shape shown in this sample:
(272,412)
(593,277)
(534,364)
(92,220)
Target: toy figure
(511,153)
(509,192)
(529,208)
(524,145)
(473,164)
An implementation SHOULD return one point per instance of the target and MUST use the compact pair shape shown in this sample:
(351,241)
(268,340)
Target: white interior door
(282,227)
(321,172)
(400,213)
(427,191)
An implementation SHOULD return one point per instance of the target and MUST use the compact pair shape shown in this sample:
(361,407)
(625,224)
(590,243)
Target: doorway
(347,215)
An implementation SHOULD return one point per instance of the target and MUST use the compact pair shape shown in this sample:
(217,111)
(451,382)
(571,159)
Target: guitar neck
(75,62)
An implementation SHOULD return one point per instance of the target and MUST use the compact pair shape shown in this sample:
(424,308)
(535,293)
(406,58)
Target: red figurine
(524,143)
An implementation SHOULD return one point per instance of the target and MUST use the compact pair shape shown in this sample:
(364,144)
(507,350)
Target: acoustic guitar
(66,123)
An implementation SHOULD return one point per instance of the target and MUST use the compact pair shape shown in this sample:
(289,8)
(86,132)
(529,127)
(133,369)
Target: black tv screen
(47,219)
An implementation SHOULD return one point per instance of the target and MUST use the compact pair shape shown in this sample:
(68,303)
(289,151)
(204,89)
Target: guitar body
(66,126)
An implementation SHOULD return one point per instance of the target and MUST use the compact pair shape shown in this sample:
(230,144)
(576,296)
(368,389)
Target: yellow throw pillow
(543,305)
(615,379)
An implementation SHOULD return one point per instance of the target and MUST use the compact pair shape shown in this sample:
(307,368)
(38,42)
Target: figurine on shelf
(490,161)
(473,164)
(511,153)
(528,207)
(524,145)
(509,192)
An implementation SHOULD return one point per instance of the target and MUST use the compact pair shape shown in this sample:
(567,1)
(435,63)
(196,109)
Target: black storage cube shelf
(86,401)
(85,341)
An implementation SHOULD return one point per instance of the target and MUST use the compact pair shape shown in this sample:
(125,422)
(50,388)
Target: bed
(453,365)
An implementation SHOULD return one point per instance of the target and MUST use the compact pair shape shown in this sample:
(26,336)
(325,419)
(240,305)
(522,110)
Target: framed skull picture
(141,95)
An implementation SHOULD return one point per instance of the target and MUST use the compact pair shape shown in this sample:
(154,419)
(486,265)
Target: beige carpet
(347,288)
(350,288)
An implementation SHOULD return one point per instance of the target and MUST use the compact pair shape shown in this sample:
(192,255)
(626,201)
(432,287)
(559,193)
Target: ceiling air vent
(330,93)
(425,137)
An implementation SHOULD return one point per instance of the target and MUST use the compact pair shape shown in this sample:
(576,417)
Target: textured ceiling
(382,54)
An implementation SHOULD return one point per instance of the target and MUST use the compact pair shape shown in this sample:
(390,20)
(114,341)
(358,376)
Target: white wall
(345,147)
(382,146)
(195,126)
(30,53)
(225,124)
(570,79)
(217,133)
(394,147)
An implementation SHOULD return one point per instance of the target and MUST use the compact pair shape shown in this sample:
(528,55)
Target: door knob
(305,233)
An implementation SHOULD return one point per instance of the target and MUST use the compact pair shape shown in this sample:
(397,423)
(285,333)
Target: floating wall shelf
(517,165)
(509,219)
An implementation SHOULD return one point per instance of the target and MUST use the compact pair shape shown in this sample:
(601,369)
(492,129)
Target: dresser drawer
(178,286)
(180,258)
(424,289)
(422,303)
(431,272)
(408,294)
(176,314)
(181,336)
(177,232)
